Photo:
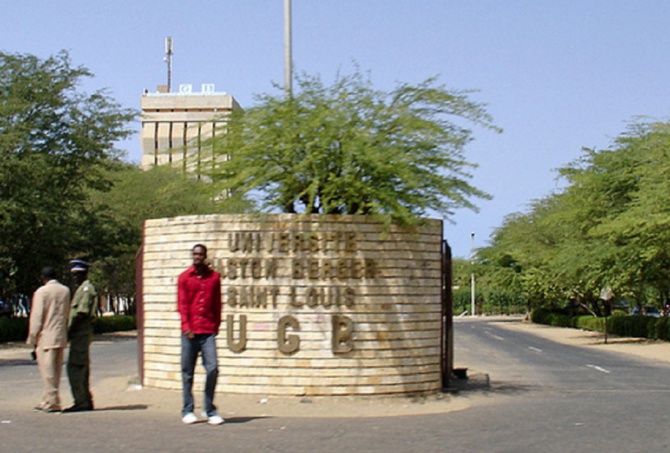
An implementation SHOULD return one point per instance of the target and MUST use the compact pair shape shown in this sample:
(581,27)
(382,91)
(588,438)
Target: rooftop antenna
(168,59)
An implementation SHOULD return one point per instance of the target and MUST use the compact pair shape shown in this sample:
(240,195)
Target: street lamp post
(472,275)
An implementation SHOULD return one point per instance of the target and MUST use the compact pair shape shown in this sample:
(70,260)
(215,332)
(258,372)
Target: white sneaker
(189,418)
(215,420)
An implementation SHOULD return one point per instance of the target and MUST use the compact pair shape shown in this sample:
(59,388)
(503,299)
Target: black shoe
(76,408)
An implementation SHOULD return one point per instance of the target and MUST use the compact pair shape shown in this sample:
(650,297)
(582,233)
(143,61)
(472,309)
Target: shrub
(552,318)
(663,328)
(658,329)
(16,329)
(118,323)
(624,326)
(591,323)
(13,329)
(630,326)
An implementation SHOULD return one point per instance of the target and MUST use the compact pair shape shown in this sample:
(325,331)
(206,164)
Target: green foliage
(462,300)
(351,149)
(16,329)
(490,298)
(136,196)
(56,143)
(160,192)
(460,271)
(592,323)
(607,228)
(551,318)
(118,323)
(503,302)
(65,193)
(621,325)
(660,329)
(13,329)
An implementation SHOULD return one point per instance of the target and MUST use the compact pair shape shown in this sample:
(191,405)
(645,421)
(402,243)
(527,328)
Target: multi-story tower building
(177,127)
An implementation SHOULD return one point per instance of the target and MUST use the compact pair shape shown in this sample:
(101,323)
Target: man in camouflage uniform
(80,333)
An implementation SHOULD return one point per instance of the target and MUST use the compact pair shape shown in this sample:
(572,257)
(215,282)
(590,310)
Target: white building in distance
(177,126)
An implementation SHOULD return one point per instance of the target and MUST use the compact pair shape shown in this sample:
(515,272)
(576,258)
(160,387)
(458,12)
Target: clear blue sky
(556,75)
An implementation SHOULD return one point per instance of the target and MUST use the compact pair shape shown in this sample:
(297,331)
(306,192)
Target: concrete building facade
(176,127)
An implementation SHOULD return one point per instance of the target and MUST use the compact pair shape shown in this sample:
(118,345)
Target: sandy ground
(124,391)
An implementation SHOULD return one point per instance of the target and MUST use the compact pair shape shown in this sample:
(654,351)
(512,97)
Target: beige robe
(48,333)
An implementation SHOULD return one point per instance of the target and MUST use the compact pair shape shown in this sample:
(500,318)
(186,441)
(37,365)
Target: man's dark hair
(48,273)
(200,246)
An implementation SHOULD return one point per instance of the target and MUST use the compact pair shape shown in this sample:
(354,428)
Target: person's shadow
(234,420)
(17,362)
(142,407)
(130,407)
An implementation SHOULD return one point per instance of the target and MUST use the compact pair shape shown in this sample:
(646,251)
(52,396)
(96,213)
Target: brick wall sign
(312,305)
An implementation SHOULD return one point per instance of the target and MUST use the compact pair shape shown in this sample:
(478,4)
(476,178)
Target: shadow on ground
(244,419)
(116,337)
(17,362)
(129,407)
(480,384)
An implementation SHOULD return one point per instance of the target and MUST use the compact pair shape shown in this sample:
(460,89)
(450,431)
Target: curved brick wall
(318,305)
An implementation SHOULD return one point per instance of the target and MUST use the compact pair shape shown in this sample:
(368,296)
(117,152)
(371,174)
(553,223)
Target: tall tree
(640,231)
(55,144)
(351,149)
(607,228)
(137,195)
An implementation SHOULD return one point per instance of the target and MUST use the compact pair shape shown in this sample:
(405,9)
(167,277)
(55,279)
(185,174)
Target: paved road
(543,397)
(551,397)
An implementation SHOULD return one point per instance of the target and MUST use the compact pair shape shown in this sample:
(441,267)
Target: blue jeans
(205,343)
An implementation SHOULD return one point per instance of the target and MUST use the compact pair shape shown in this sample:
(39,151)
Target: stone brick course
(381,285)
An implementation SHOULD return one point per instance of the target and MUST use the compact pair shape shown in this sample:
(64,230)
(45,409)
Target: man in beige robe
(48,333)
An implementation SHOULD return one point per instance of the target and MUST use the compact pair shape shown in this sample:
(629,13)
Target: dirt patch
(120,393)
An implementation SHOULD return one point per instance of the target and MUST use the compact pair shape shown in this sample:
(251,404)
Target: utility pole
(168,59)
(288,70)
(472,275)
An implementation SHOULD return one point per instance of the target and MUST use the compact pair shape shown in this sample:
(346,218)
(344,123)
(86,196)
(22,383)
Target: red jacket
(199,301)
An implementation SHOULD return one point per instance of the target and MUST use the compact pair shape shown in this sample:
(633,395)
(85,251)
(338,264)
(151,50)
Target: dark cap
(79,266)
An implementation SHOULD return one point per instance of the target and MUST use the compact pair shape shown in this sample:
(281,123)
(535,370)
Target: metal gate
(139,309)
(447,340)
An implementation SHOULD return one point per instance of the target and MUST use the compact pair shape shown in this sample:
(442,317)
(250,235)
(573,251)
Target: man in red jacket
(199,304)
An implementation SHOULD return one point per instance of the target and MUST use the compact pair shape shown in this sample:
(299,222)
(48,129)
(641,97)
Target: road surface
(528,394)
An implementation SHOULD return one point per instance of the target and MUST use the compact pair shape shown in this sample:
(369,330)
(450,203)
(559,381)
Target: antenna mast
(168,59)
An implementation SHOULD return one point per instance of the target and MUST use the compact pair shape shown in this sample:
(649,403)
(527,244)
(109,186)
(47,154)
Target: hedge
(13,329)
(117,323)
(16,329)
(624,326)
